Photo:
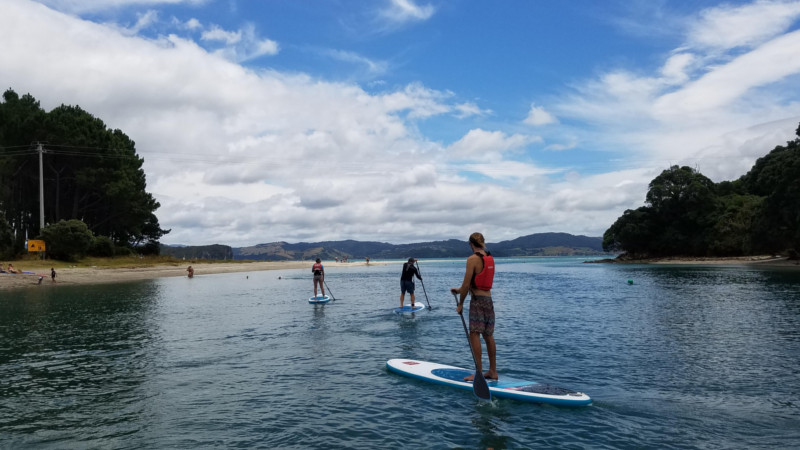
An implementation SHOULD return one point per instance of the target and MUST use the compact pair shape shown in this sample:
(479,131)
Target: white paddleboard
(407,308)
(505,387)
(319,299)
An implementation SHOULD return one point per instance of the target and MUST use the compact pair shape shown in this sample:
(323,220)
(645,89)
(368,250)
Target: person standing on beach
(407,281)
(191,272)
(53,274)
(319,276)
(478,280)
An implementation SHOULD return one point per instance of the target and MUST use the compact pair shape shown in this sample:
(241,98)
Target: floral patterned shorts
(481,315)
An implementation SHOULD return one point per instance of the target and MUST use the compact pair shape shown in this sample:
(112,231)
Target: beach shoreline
(101,275)
(73,276)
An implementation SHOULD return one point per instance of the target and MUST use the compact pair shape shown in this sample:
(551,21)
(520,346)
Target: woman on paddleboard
(319,276)
(478,283)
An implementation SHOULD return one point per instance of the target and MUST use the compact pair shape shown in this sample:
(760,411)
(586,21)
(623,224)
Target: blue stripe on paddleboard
(407,309)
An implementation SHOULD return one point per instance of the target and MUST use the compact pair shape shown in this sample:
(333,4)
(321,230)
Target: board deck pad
(319,299)
(407,308)
(505,387)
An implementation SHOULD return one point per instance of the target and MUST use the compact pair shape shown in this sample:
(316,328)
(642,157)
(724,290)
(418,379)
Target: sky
(403,121)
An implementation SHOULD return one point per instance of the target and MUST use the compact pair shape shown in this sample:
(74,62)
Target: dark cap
(411,260)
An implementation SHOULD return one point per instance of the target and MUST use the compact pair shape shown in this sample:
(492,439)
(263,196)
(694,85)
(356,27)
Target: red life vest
(317,269)
(483,280)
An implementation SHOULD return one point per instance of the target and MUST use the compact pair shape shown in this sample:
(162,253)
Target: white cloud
(419,101)
(726,27)
(485,145)
(240,45)
(215,33)
(401,11)
(373,67)
(677,68)
(470,109)
(537,116)
(92,6)
(193,24)
(697,101)
(725,84)
(570,144)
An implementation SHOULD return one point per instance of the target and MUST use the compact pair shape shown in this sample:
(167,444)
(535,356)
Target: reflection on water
(74,361)
(684,357)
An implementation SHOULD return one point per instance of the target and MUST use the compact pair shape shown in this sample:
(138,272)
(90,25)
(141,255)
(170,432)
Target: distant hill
(215,251)
(540,244)
(549,244)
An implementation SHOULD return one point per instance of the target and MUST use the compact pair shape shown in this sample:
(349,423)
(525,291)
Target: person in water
(477,282)
(319,277)
(407,281)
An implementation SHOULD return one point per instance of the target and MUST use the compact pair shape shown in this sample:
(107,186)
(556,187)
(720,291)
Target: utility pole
(41,187)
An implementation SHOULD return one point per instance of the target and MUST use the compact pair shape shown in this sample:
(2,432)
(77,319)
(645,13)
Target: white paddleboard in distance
(407,308)
(319,299)
(505,387)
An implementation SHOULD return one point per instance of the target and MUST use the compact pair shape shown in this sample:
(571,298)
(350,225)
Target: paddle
(329,289)
(423,286)
(479,385)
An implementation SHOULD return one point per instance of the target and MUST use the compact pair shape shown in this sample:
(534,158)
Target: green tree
(683,202)
(634,232)
(67,240)
(731,233)
(21,119)
(102,247)
(776,177)
(91,173)
(6,240)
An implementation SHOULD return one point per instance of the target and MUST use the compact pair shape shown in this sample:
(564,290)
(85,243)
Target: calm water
(685,357)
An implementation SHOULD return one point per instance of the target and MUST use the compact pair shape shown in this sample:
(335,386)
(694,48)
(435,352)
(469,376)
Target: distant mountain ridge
(539,244)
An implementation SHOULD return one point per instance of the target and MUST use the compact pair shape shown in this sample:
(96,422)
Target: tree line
(94,186)
(687,214)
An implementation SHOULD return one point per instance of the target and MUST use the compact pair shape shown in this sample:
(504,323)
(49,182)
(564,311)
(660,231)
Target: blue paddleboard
(319,299)
(408,309)
(505,387)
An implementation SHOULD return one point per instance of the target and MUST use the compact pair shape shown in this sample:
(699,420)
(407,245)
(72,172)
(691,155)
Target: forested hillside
(687,214)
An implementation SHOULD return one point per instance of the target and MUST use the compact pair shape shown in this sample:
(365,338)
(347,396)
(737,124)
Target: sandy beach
(97,275)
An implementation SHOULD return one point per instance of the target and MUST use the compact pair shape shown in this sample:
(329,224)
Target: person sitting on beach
(11,269)
(1,269)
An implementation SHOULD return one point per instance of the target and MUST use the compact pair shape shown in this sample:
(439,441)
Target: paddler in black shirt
(407,281)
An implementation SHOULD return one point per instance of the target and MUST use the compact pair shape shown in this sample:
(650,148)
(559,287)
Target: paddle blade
(480,387)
